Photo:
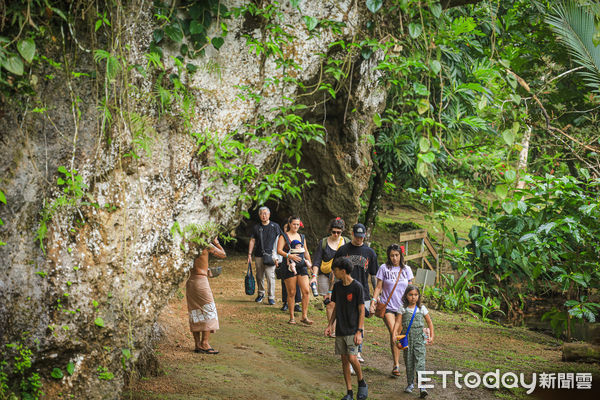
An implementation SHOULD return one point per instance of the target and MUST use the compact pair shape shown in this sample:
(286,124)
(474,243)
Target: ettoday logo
(507,380)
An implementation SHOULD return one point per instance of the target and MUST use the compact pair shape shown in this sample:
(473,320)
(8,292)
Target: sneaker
(363,392)
(284,307)
(297,308)
(352,371)
(360,358)
(347,397)
(423,393)
(259,298)
(409,388)
(271,302)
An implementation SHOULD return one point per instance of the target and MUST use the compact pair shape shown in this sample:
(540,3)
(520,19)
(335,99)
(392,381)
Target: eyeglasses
(336,232)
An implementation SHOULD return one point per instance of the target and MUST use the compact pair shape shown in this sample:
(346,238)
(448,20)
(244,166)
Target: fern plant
(575,26)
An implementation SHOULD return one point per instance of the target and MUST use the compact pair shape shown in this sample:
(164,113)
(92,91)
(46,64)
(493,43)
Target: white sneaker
(409,388)
(352,372)
(360,358)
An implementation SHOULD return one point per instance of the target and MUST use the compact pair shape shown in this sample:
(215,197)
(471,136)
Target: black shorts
(388,311)
(300,269)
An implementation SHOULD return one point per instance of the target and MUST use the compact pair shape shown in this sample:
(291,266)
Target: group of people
(340,272)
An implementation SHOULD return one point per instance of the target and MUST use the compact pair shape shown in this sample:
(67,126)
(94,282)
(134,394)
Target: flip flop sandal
(206,351)
(292,322)
(306,321)
(396,371)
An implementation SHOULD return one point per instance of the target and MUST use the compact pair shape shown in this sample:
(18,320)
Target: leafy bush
(479,167)
(465,293)
(545,237)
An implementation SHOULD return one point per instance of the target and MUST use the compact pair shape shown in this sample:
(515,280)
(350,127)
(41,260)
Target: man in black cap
(364,260)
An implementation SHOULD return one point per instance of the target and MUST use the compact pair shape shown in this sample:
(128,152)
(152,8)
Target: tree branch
(549,127)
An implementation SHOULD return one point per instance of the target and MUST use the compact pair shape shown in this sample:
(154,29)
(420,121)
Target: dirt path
(261,356)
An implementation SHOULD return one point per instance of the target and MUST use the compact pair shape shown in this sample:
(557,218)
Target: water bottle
(313,286)
(426,334)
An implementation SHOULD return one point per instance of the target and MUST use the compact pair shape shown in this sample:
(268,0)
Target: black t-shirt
(320,255)
(364,260)
(347,299)
(269,234)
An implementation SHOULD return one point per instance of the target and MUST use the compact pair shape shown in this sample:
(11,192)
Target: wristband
(330,292)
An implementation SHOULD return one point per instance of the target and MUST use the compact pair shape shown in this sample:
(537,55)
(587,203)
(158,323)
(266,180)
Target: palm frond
(575,27)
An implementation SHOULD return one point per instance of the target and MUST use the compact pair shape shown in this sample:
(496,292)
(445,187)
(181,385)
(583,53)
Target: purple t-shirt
(388,276)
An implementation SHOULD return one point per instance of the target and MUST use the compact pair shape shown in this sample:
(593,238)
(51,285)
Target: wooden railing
(425,247)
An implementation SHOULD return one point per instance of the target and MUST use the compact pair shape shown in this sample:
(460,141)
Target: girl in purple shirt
(386,279)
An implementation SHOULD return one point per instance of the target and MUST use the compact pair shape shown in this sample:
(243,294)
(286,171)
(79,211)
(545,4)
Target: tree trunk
(374,199)
(522,166)
(581,352)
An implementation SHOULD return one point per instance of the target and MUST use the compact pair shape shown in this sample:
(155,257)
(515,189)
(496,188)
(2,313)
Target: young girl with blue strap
(410,321)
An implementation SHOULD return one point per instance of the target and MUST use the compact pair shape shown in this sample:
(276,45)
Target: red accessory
(337,218)
(402,248)
(301,224)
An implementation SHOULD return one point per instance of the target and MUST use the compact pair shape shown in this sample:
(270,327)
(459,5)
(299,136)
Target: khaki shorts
(344,345)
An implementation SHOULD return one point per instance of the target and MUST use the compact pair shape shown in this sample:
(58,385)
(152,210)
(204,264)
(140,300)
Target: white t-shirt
(423,310)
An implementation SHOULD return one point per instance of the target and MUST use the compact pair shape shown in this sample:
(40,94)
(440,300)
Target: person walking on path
(323,259)
(364,263)
(300,277)
(349,317)
(414,355)
(262,242)
(392,279)
(202,310)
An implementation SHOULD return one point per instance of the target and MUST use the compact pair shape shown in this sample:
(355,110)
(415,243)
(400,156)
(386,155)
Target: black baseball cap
(359,230)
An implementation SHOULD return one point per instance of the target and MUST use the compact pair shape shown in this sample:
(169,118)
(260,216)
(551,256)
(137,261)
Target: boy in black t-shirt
(364,261)
(349,315)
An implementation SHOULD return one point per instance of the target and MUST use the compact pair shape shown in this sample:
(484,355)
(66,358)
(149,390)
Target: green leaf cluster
(188,26)
(16,361)
(543,237)
(74,191)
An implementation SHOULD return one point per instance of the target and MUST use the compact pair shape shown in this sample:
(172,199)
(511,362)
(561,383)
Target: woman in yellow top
(323,258)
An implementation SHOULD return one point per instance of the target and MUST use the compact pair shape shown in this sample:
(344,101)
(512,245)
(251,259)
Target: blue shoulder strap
(411,320)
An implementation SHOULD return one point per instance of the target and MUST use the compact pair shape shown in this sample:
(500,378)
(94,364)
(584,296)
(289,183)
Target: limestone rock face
(110,261)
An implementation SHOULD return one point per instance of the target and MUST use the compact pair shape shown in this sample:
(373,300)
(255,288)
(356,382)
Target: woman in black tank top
(290,232)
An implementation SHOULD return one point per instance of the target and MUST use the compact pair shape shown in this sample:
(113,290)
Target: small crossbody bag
(381,307)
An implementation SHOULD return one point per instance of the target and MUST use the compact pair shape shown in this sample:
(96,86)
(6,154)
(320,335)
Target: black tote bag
(249,282)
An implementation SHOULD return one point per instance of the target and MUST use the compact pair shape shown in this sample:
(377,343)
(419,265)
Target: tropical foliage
(504,98)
